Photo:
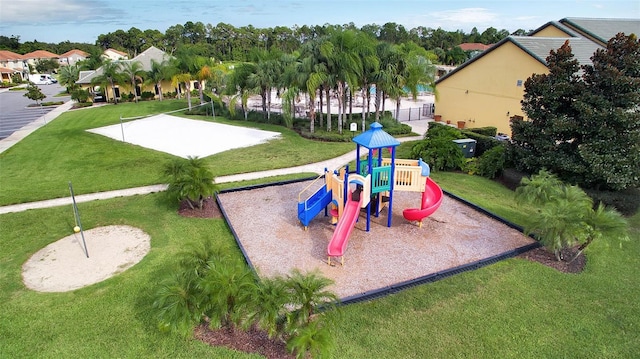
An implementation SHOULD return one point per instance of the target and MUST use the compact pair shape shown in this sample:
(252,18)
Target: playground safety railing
(307,188)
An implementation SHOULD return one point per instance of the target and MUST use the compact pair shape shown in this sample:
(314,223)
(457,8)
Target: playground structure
(372,186)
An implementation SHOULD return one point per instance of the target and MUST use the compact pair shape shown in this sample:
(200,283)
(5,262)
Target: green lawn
(41,165)
(512,309)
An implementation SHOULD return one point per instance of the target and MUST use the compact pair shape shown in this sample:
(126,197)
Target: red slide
(431,200)
(344,227)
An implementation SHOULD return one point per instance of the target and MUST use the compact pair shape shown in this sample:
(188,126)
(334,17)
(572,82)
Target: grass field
(512,309)
(41,165)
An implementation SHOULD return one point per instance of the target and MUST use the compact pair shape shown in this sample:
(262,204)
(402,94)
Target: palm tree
(160,71)
(345,64)
(203,75)
(68,76)
(134,72)
(228,294)
(187,65)
(308,292)
(603,222)
(271,301)
(183,79)
(239,87)
(313,340)
(566,216)
(189,180)
(110,75)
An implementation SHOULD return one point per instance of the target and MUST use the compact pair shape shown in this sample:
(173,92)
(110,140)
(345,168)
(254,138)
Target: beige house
(35,56)
(87,78)
(487,89)
(115,55)
(12,63)
(72,56)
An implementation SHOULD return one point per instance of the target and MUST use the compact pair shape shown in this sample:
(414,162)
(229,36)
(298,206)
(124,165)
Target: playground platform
(274,241)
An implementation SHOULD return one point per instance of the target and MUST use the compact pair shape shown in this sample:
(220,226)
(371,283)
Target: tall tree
(135,74)
(610,121)
(159,72)
(109,75)
(68,76)
(584,128)
(547,139)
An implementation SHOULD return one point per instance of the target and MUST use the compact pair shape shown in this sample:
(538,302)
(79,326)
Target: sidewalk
(331,164)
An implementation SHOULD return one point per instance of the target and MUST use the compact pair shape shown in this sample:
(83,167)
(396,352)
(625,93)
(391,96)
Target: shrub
(491,163)
(626,202)
(147,95)
(438,148)
(486,131)
(470,166)
(441,153)
(511,178)
(483,142)
(80,95)
(189,180)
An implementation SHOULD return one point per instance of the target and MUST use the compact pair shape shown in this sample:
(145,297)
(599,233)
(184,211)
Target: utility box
(468,146)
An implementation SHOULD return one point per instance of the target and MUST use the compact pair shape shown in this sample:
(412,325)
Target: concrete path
(318,168)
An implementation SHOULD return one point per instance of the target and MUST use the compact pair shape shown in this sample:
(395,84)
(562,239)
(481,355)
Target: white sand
(183,137)
(63,266)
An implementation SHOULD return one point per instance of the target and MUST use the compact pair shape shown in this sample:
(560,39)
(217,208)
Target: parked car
(42,79)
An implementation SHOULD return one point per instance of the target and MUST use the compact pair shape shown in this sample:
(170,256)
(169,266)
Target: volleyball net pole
(76,215)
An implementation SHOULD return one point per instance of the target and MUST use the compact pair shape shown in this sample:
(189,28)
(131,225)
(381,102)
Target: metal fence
(414,113)
(404,115)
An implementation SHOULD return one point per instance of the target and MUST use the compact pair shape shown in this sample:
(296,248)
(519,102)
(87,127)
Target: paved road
(14,113)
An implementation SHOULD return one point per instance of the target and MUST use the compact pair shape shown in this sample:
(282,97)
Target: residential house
(35,56)
(11,64)
(87,78)
(487,89)
(72,56)
(115,55)
(474,48)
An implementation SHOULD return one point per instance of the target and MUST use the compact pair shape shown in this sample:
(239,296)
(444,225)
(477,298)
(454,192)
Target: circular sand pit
(63,266)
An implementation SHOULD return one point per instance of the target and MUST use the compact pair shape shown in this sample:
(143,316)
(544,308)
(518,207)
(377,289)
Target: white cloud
(475,15)
(60,11)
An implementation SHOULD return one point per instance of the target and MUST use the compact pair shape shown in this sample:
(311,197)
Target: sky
(55,21)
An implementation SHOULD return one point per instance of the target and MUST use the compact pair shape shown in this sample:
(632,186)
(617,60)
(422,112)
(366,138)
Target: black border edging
(247,188)
(398,287)
(484,211)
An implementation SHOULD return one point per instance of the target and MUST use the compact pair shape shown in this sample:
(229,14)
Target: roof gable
(554,24)
(539,48)
(473,46)
(40,54)
(8,55)
(75,52)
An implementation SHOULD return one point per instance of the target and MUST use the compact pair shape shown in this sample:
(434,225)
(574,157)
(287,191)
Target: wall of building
(488,92)
(550,31)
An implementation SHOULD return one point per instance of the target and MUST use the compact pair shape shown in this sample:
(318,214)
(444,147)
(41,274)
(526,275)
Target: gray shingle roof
(144,58)
(539,47)
(603,29)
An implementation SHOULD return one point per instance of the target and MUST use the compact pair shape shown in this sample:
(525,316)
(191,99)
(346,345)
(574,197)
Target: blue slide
(308,209)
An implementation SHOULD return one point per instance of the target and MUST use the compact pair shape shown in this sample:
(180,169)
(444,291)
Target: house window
(117,92)
(519,83)
(157,89)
